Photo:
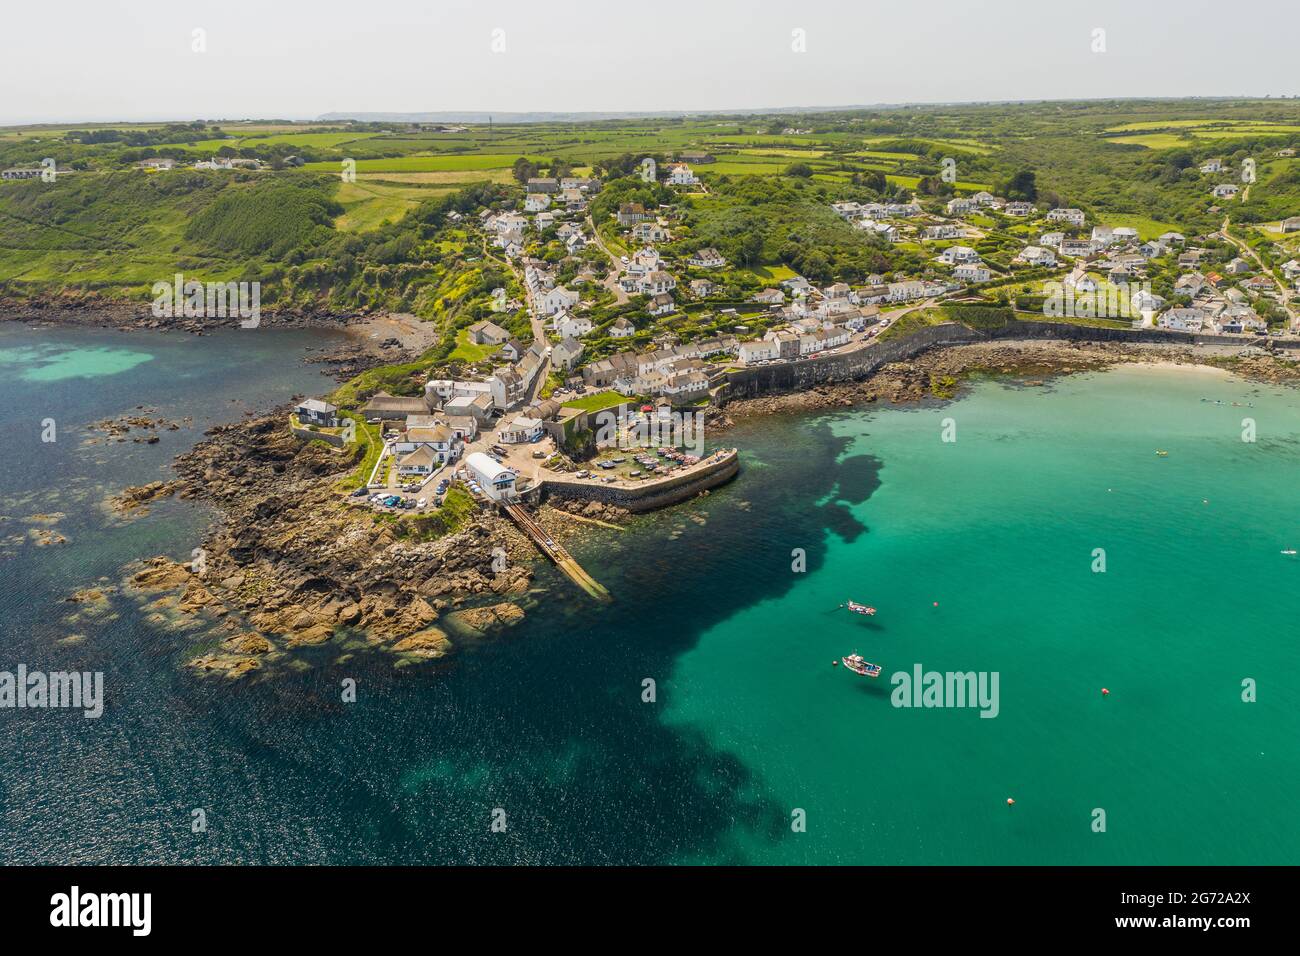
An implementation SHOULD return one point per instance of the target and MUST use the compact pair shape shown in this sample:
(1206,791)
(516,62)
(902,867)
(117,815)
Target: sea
(1130,617)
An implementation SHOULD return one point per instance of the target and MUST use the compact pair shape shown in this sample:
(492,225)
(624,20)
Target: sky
(103,60)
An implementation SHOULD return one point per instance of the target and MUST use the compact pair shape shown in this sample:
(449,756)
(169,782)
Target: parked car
(422,502)
(361,492)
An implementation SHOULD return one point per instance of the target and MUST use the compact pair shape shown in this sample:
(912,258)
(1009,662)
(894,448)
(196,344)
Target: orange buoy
(936,603)
(1104,692)
(1010,802)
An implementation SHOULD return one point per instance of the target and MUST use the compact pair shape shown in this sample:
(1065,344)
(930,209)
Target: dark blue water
(547,725)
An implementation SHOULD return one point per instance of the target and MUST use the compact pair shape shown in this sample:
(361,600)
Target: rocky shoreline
(292,562)
(938,373)
(361,351)
(94,312)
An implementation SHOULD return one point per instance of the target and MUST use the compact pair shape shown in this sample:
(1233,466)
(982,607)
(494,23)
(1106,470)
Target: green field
(740,168)
(771,273)
(1150,140)
(369,203)
(321,140)
(416,164)
(1171,134)
(467,351)
(1147,228)
(955,145)
(911,182)
(783,153)
(598,401)
(1172,124)
(1245,132)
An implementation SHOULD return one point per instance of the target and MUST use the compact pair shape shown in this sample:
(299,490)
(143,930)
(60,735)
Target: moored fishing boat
(857,608)
(855,663)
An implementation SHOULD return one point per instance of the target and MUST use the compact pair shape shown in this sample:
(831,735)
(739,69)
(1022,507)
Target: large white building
(521,429)
(439,391)
(570,326)
(956,254)
(1074,217)
(496,480)
(558,300)
(679,174)
(759,350)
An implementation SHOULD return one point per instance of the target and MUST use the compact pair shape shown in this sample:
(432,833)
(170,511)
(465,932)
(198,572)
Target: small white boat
(1289,551)
(855,663)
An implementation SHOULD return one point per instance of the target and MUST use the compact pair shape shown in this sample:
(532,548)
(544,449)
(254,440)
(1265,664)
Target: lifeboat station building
(496,480)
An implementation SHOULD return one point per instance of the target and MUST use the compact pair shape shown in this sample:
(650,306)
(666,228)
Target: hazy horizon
(452,115)
(131,62)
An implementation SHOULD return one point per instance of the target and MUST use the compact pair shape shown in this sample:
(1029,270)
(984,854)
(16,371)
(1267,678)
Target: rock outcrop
(294,562)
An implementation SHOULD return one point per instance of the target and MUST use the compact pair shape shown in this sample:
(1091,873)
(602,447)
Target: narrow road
(1282,287)
(611,281)
(538,323)
(540,381)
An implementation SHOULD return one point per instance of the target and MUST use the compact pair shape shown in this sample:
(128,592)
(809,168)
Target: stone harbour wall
(652,494)
(859,363)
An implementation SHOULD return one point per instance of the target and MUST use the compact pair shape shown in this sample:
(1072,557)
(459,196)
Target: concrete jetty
(556,552)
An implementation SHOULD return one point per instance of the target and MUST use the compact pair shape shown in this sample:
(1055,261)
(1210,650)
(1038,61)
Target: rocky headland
(292,561)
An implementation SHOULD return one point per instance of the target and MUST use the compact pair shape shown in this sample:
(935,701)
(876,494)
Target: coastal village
(526,417)
(575,332)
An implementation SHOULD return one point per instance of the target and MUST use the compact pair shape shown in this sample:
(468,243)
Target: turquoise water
(750,720)
(54,363)
(998,529)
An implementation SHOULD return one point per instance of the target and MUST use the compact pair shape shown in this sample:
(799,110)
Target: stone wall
(648,495)
(859,363)
(303,433)
(1019,329)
